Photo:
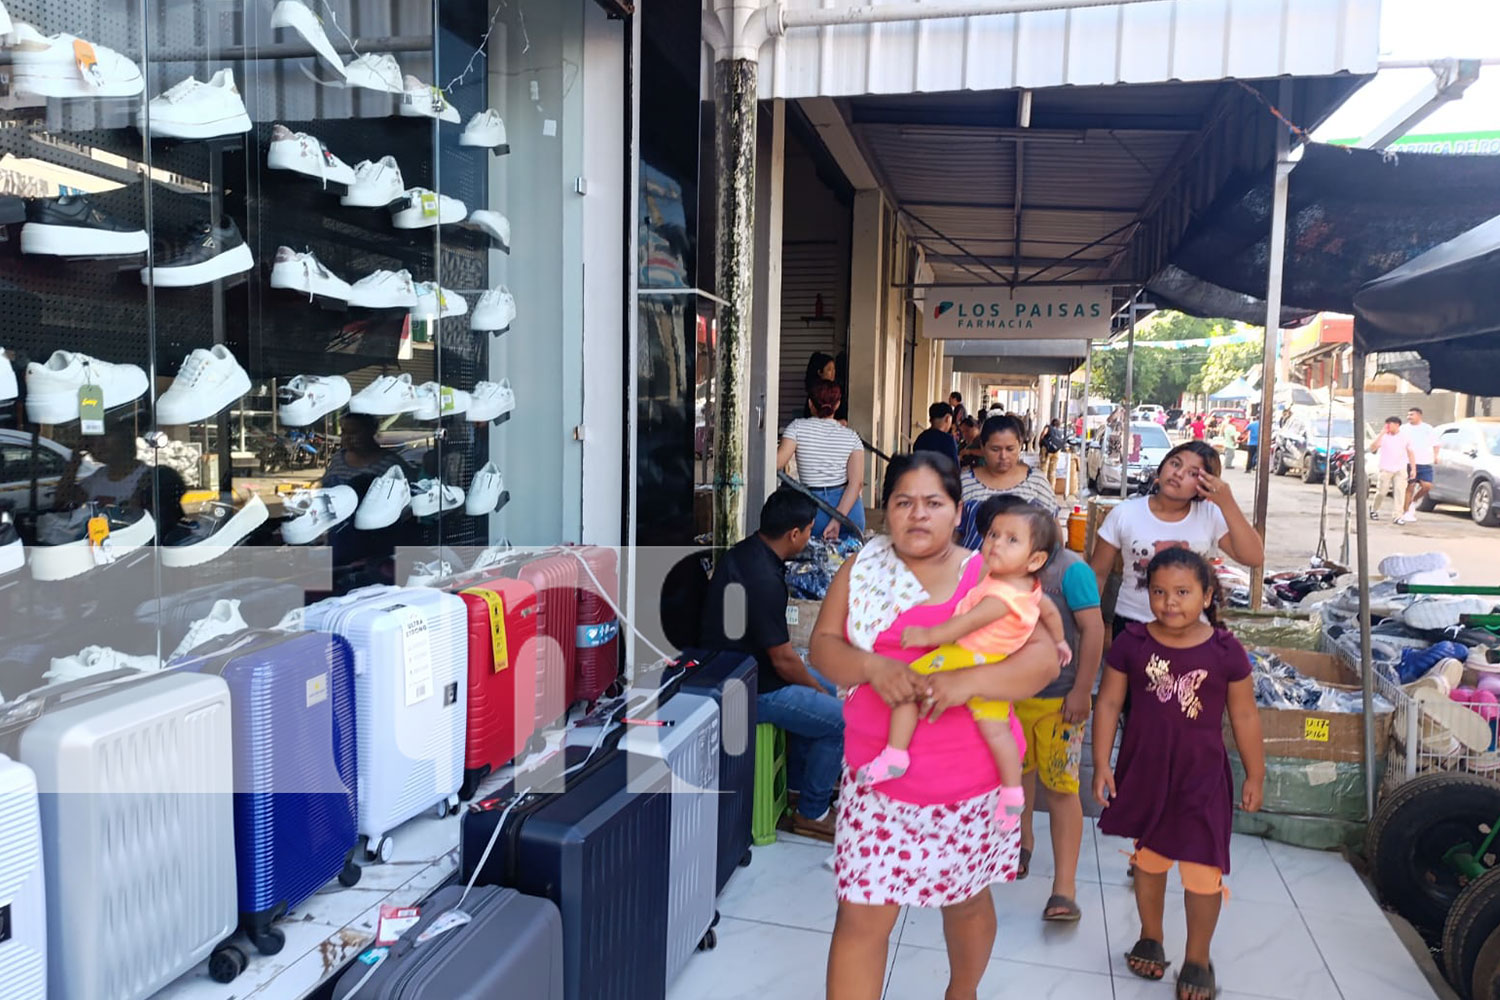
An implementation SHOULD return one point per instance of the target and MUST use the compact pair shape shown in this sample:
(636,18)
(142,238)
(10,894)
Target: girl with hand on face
(1172,791)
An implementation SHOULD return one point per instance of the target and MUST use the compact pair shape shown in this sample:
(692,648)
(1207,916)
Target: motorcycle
(1341,470)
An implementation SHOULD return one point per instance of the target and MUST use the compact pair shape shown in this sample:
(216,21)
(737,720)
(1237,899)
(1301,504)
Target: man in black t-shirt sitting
(745,610)
(938,436)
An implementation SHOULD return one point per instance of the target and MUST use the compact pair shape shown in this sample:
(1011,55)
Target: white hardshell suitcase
(411,692)
(136,784)
(687,739)
(23,900)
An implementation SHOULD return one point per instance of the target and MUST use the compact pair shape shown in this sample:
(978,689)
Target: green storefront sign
(1443,143)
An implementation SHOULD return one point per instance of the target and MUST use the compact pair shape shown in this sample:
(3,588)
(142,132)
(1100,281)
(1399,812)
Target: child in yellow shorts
(994,620)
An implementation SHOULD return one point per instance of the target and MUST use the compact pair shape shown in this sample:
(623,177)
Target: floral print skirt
(888,852)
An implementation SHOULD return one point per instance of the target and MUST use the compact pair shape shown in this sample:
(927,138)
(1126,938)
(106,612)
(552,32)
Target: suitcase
(730,680)
(292,704)
(502,682)
(23,905)
(555,580)
(263,603)
(410,695)
(597,659)
(596,850)
(135,782)
(511,947)
(690,747)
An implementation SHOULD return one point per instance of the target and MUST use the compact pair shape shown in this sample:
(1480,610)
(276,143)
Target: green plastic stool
(770,784)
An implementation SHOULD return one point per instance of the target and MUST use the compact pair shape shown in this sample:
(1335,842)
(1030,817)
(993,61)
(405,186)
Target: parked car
(1148,446)
(1468,469)
(1098,413)
(16,470)
(1149,413)
(1304,442)
(1235,416)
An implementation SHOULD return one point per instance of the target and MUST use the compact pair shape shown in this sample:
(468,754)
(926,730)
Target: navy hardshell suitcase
(600,851)
(295,769)
(509,947)
(730,680)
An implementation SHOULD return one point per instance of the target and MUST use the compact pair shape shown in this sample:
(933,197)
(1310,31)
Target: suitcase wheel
(448,807)
(380,849)
(270,942)
(226,963)
(349,877)
(745,861)
(716,921)
(710,940)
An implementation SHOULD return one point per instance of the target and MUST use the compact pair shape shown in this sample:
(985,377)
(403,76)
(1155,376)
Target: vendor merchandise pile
(1278,684)
(808,575)
(1444,673)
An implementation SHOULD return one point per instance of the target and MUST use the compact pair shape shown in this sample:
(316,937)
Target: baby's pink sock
(890,763)
(1012,804)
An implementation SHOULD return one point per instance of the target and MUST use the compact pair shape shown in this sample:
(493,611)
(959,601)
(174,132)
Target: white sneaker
(384,501)
(5,23)
(306,154)
(495,311)
(9,389)
(307,398)
(422,209)
(494,224)
(491,400)
(316,512)
(431,496)
(376,185)
(303,272)
(436,302)
(387,396)
(61,66)
(67,550)
(428,574)
(209,381)
(1400,566)
(486,129)
(52,388)
(484,491)
(298,17)
(94,660)
(375,71)
(430,401)
(194,110)
(421,101)
(384,290)
(223,619)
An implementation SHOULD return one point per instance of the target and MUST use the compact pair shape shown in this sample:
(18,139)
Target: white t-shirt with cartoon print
(1139,535)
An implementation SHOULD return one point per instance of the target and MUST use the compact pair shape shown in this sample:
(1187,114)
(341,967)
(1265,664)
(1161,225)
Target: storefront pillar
(764,391)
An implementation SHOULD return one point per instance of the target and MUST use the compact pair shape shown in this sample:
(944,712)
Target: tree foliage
(1162,374)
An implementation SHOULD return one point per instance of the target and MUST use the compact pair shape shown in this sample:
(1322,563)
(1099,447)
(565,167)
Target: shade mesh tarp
(1445,306)
(1352,216)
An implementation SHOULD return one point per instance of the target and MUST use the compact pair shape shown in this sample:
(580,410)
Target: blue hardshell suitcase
(599,850)
(295,777)
(730,680)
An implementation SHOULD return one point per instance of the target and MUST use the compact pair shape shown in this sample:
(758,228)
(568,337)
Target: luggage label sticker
(374,956)
(317,689)
(416,642)
(450,921)
(396,921)
(496,605)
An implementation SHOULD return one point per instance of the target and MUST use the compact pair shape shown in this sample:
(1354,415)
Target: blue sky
(1428,29)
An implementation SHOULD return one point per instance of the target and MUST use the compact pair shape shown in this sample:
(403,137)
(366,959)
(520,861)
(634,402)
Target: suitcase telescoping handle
(26,709)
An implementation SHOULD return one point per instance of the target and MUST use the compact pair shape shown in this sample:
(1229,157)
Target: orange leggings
(1202,880)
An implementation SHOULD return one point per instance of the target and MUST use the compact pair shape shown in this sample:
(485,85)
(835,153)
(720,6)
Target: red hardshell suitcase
(598,640)
(555,579)
(502,697)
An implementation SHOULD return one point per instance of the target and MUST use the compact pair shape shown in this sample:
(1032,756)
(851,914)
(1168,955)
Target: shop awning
(1353,215)
(1445,306)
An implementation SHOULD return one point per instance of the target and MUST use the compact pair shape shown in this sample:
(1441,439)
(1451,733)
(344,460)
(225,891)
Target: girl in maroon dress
(1174,793)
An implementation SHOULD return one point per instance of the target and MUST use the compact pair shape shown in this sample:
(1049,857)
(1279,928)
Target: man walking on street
(1251,438)
(1423,442)
(1395,459)
(1052,445)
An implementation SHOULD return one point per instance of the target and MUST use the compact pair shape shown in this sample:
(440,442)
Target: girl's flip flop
(1062,910)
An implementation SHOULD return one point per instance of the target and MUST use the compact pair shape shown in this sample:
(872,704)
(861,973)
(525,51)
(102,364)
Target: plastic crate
(770,784)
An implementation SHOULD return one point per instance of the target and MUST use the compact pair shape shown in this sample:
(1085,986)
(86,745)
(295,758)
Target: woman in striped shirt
(830,461)
(1001,473)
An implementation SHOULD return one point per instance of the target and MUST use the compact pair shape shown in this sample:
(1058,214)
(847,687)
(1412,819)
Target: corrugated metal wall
(1136,43)
(810,271)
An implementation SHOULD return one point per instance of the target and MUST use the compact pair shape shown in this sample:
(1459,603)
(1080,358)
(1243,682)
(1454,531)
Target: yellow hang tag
(496,605)
(98,530)
(88,62)
(1315,730)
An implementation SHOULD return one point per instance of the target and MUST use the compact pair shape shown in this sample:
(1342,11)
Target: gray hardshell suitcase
(23,905)
(136,784)
(510,947)
(686,737)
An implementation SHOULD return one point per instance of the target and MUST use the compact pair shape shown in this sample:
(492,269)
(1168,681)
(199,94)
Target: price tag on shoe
(88,62)
(429,205)
(439,103)
(99,545)
(91,409)
(447,401)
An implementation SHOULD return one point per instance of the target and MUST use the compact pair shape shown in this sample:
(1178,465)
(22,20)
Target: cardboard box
(801,616)
(1332,736)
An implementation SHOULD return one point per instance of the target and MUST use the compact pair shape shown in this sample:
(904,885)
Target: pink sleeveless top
(949,760)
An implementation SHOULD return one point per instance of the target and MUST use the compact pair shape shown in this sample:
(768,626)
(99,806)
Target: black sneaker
(217,528)
(73,226)
(201,254)
(12,552)
(65,550)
